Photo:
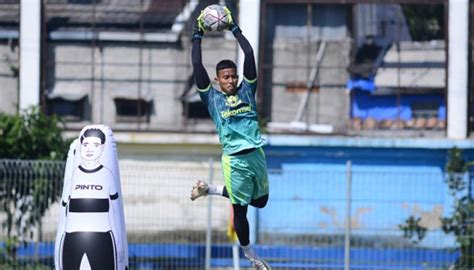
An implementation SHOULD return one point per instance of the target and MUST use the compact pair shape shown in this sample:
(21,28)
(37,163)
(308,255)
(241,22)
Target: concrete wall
(160,71)
(391,180)
(8,82)
(293,61)
(290,54)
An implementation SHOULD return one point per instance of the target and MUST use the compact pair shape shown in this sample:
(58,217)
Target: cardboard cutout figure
(91,232)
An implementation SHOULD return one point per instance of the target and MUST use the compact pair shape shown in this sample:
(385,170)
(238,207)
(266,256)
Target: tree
(29,180)
(32,135)
(461,221)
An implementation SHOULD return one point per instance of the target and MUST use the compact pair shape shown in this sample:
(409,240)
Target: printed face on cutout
(91,148)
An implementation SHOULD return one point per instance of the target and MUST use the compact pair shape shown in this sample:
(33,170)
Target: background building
(359,108)
(126,64)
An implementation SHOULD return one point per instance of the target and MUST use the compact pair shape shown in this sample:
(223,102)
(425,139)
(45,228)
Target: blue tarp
(386,107)
(362,84)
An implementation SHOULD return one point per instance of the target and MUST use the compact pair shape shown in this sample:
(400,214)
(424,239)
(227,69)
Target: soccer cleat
(200,189)
(259,264)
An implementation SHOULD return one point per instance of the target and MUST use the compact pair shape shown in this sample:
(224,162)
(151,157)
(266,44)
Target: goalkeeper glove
(232,24)
(198,30)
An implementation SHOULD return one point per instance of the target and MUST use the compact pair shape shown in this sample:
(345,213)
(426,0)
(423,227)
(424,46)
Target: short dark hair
(94,132)
(226,63)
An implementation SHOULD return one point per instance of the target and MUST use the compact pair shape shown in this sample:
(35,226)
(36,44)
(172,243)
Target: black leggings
(241,223)
(98,246)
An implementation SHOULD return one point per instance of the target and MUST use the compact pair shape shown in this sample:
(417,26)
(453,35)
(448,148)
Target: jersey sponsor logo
(88,187)
(229,113)
(232,101)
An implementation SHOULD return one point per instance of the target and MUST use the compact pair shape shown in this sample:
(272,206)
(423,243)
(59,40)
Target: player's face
(227,79)
(91,148)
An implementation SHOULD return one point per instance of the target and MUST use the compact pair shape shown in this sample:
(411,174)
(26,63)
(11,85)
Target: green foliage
(27,190)
(8,260)
(8,253)
(413,230)
(32,135)
(461,222)
(30,181)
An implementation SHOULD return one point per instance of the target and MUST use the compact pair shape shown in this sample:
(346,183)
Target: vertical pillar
(458,69)
(207,259)
(249,22)
(30,45)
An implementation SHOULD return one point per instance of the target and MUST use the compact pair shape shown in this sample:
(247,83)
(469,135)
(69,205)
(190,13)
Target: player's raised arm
(250,69)
(200,74)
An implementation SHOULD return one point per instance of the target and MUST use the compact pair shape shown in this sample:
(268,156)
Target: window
(70,110)
(193,107)
(196,110)
(132,110)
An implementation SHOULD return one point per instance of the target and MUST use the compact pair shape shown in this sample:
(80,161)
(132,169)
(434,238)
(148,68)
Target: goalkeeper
(234,113)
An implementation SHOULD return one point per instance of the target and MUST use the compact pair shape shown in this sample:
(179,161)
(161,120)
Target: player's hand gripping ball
(214,18)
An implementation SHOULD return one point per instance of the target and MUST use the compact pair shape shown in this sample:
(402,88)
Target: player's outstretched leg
(202,189)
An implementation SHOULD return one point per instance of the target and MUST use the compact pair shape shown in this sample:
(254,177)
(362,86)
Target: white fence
(314,218)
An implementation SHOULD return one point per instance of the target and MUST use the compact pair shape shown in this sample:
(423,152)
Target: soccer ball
(214,18)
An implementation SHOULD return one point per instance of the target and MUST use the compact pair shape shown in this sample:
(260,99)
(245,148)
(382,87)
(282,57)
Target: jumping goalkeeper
(234,112)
